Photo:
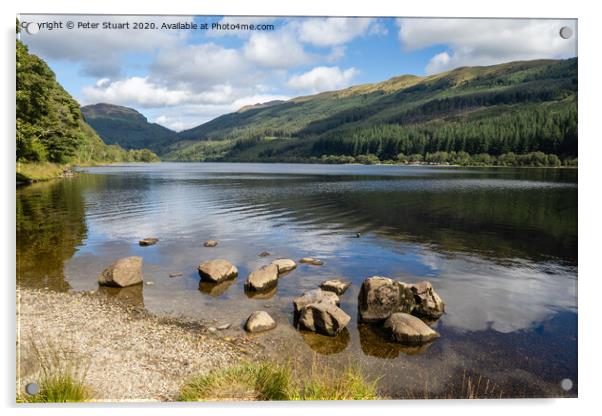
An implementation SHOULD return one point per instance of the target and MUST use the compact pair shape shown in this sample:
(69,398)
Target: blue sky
(182,78)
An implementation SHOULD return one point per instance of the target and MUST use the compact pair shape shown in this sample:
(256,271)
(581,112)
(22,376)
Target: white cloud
(487,41)
(322,78)
(275,50)
(333,31)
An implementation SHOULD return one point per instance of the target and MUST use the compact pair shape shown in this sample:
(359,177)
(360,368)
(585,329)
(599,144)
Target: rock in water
(264,254)
(259,321)
(312,261)
(124,272)
(263,278)
(313,296)
(379,297)
(323,318)
(338,286)
(217,270)
(408,329)
(427,302)
(210,243)
(284,265)
(148,241)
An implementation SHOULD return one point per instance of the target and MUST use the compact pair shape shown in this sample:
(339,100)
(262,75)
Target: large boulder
(427,303)
(217,270)
(381,296)
(259,321)
(313,296)
(284,265)
(263,278)
(408,329)
(323,318)
(338,286)
(124,272)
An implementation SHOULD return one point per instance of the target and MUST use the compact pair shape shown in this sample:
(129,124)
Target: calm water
(499,245)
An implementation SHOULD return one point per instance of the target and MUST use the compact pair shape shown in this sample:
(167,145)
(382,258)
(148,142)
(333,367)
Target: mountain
(50,129)
(126,127)
(512,108)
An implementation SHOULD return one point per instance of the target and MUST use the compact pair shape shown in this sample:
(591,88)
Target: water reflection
(326,345)
(374,343)
(130,296)
(215,289)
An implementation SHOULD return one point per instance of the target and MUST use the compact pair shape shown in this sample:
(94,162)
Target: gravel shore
(128,354)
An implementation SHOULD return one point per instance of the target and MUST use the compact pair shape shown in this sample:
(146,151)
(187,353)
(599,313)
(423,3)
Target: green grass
(58,388)
(38,171)
(270,381)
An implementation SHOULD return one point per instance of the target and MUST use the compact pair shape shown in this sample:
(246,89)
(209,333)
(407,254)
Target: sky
(181,78)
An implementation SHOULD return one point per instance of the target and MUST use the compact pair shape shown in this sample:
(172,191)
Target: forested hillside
(50,129)
(127,127)
(518,113)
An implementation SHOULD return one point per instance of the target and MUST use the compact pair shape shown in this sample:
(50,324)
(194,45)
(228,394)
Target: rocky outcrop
(408,329)
(323,318)
(210,243)
(313,296)
(381,296)
(263,278)
(284,265)
(124,272)
(338,286)
(259,321)
(217,270)
(149,241)
(312,261)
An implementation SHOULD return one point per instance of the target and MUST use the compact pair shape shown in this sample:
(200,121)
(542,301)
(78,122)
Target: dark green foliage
(49,124)
(126,127)
(506,110)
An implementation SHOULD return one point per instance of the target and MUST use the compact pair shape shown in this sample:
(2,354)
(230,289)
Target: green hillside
(512,113)
(51,133)
(126,127)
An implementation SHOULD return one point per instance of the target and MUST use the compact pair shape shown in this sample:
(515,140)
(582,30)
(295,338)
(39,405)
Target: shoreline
(126,353)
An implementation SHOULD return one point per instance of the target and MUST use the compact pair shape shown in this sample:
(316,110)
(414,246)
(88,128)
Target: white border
(590,152)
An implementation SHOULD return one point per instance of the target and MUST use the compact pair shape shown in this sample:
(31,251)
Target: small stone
(150,283)
(223,327)
(408,329)
(263,278)
(176,274)
(259,321)
(217,270)
(212,329)
(284,265)
(124,272)
(338,286)
(312,261)
(264,254)
(210,243)
(149,241)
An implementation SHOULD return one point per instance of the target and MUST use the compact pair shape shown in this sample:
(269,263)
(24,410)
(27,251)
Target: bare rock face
(217,270)
(263,278)
(259,321)
(284,265)
(427,303)
(323,318)
(312,261)
(124,272)
(408,329)
(148,241)
(210,243)
(380,297)
(338,286)
(313,296)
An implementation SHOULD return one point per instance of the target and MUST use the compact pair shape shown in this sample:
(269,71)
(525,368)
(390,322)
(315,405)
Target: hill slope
(50,129)
(126,127)
(518,107)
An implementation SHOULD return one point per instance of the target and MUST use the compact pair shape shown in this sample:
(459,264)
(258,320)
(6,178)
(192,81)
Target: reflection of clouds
(479,294)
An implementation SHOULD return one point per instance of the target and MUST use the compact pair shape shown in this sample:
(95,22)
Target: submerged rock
(210,243)
(259,321)
(176,274)
(312,261)
(338,286)
(408,329)
(313,296)
(124,272)
(217,270)
(263,278)
(284,265)
(148,241)
(264,254)
(323,318)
